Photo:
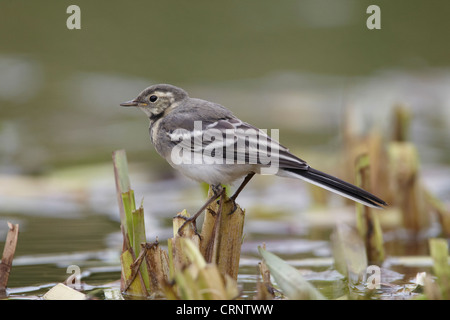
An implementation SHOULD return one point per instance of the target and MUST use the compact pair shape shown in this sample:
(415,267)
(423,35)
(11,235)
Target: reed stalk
(133,282)
(195,267)
(441,268)
(222,235)
(349,253)
(367,221)
(8,255)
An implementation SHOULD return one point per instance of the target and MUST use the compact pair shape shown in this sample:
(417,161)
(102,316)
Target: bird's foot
(233,202)
(188,220)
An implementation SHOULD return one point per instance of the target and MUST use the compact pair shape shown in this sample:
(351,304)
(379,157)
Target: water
(49,244)
(294,66)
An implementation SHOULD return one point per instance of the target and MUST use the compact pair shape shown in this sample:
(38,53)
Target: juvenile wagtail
(207,143)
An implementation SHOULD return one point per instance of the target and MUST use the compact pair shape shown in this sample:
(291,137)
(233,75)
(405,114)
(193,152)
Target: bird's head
(157,99)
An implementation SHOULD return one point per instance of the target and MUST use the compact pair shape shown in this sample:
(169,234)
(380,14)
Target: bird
(206,142)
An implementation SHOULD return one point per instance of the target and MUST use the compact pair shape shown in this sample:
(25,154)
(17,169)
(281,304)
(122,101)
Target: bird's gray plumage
(173,116)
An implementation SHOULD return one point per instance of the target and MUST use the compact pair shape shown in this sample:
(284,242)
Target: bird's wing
(234,142)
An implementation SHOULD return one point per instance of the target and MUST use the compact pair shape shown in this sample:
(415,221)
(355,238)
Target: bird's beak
(131,103)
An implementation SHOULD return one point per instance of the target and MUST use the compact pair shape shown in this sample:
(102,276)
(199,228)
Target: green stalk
(441,268)
(132,220)
(289,279)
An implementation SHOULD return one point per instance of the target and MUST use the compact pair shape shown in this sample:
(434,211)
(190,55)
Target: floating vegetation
(363,256)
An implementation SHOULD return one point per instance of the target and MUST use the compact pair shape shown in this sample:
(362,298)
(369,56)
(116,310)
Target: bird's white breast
(214,174)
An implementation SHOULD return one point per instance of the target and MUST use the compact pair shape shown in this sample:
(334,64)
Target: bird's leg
(238,191)
(243,184)
(218,190)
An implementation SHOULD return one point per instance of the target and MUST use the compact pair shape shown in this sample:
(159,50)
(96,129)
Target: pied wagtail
(181,123)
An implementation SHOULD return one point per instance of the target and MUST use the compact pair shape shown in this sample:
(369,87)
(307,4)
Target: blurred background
(296,66)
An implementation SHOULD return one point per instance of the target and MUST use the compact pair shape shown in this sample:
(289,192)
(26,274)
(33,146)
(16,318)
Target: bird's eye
(153,98)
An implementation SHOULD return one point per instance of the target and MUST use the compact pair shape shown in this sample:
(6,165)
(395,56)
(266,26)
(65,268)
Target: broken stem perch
(8,254)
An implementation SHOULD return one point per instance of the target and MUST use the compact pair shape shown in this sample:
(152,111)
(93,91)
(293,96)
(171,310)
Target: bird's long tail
(335,185)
